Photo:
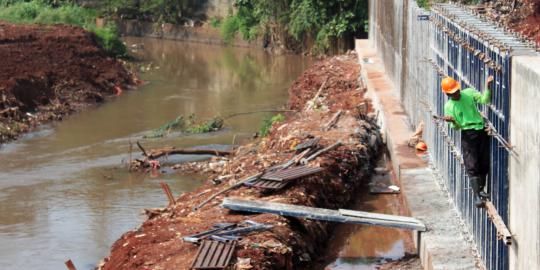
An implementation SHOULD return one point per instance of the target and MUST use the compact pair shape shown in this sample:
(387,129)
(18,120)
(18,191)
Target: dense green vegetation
(423,3)
(294,22)
(169,11)
(62,12)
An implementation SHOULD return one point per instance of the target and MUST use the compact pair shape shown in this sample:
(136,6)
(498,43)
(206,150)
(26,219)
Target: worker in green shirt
(461,111)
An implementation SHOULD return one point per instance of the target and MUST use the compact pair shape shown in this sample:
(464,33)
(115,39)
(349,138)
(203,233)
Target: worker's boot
(482,183)
(478,202)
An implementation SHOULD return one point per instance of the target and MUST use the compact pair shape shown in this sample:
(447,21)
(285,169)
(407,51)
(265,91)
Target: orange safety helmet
(421,146)
(449,85)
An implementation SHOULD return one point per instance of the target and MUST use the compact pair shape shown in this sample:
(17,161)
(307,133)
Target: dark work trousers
(475,148)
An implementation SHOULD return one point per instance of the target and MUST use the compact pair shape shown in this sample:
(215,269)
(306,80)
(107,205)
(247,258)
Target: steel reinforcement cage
(469,49)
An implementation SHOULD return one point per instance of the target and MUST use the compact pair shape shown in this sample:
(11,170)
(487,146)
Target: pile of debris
(48,72)
(317,157)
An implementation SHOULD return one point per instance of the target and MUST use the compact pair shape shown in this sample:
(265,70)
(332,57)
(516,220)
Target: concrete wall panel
(525,168)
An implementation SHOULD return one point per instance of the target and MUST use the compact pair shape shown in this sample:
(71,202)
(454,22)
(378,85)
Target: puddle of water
(64,193)
(362,247)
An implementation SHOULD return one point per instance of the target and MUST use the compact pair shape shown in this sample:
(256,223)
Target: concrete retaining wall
(387,30)
(402,41)
(525,168)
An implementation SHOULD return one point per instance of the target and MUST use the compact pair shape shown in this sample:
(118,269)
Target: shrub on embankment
(62,12)
(294,25)
(299,24)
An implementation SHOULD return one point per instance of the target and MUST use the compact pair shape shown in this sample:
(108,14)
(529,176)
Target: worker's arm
(449,117)
(484,98)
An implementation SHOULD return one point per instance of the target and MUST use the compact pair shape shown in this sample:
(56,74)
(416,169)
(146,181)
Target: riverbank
(49,72)
(291,243)
(199,34)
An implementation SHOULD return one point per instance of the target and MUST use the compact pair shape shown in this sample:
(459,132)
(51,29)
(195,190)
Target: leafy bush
(215,22)
(152,10)
(268,122)
(43,12)
(323,21)
(423,3)
(109,40)
(229,28)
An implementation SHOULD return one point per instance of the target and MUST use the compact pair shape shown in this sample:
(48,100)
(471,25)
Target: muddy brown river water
(64,189)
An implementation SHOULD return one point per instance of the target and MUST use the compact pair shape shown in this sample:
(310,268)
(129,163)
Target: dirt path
(48,72)
(291,243)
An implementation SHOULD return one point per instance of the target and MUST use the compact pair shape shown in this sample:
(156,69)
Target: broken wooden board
(359,217)
(307,144)
(213,255)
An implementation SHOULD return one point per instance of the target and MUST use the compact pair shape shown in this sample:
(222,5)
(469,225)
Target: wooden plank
(333,121)
(323,214)
(305,161)
(168,193)
(502,231)
(307,144)
(250,178)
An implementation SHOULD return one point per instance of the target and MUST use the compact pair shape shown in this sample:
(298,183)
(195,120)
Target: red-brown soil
(48,72)
(292,243)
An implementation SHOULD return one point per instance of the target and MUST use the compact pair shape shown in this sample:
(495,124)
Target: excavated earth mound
(50,71)
(292,243)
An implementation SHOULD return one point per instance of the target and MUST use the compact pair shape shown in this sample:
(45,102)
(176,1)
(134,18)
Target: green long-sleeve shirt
(465,110)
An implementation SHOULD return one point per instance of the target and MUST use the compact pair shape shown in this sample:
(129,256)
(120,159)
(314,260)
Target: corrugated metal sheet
(268,184)
(292,173)
(213,255)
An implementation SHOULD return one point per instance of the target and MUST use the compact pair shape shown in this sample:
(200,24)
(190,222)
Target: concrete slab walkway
(443,246)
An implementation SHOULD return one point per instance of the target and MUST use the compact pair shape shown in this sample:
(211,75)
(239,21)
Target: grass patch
(211,125)
(40,12)
(191,126)
(268,122)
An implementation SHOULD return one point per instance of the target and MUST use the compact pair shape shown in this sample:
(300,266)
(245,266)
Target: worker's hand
(489,79)
(449,119)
